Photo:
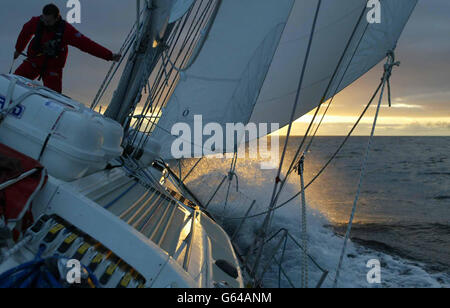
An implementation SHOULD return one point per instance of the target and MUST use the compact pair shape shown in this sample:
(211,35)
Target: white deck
(168,243)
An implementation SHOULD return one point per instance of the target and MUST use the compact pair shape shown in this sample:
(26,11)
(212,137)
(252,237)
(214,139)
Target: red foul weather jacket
(71,37)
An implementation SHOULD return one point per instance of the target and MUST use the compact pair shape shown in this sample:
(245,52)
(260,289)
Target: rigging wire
(231,174)
(347,137)
(297,97)
(323,116)
(288,201)
(153,91)
(390,64)
(160,86)
(130,38)
(267,221)
(193,168)
(338,86)
(192,38)
(304,234)
(299,149)
(326,164)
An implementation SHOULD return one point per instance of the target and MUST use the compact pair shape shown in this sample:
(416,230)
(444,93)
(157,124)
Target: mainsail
(249,66)
(142,61)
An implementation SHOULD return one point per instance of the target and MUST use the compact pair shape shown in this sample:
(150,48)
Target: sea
(402,218)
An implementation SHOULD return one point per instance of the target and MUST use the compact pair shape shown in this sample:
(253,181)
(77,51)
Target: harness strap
(52,48)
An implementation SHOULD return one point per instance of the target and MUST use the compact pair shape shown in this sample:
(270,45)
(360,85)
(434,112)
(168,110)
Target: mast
(142,61)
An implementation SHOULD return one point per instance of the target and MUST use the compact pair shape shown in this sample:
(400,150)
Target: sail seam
(273,56)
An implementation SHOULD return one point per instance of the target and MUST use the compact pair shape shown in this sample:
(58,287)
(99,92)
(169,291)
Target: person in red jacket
(48,50)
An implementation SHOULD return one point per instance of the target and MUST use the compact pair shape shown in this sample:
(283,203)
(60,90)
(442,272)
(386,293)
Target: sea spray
(324,244)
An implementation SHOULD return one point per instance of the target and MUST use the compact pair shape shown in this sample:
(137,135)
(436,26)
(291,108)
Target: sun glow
(334,125)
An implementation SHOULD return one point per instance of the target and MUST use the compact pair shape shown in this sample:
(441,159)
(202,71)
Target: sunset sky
(420,87)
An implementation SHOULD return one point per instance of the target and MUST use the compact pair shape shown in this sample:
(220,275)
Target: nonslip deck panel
(148,211)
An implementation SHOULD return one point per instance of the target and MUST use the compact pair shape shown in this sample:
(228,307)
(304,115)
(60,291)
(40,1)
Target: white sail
(332,35)
(250,65)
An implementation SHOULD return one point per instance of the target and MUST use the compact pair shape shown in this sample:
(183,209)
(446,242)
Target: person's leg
(53,79)
(27,70)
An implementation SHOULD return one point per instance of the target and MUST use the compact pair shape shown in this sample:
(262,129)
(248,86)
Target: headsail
(249,66)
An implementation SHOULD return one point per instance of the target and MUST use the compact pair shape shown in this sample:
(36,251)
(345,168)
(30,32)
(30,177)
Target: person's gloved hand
(16,55)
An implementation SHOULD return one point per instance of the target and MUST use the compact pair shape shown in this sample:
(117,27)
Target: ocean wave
(324,242)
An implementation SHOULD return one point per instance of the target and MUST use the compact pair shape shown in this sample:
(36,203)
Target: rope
(350,40)
(16,248)
(6,184)
(157,90)
(193,168)
(187,47)
(322,169)
(342,144)
(110,78)
(267,221)
(110,75)
(312,139)
(390,63)
(14,103)
(231,174)
(326,164)
(304,272)
(342,77)
(294,108)
(38,273)
(202,40)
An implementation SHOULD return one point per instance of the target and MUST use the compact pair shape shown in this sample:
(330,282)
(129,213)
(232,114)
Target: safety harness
(52,48)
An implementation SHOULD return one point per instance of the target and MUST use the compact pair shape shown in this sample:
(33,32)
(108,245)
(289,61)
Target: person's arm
(78,40)
(25,35)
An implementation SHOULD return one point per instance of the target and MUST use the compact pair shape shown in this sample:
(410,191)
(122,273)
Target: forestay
(249,66)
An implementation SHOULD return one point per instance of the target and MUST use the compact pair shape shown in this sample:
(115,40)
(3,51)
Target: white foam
(324,245)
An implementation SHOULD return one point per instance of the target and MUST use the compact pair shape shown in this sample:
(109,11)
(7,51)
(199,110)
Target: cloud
(401,106)
(438,96)
(430,125)
(387,126)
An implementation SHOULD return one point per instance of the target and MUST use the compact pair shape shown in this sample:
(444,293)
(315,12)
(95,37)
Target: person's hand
(16,55)
(116,57)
